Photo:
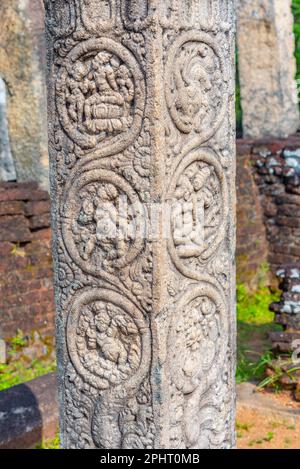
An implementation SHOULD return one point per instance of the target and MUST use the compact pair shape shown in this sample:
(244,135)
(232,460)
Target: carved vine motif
(98,15)
(124,421)
(100,95)
(136,14)
(103,223)
(195,91)
(198,343)
(198,194)
(61,18)
(202,14)
(108,339)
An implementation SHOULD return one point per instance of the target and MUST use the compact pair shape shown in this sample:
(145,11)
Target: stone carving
(98,15)
(198,194)
(197,14)
(127,428)
(136,14)
(196,92)
(61,16)
(7,167)
(100,96)
(104,222)
(141,111)
(108,339)
(198,341)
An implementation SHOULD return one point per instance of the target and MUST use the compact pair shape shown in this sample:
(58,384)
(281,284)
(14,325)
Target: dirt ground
(257,430)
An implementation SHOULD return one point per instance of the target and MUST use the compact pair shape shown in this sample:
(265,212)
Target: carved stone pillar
(267,68)
(142,150)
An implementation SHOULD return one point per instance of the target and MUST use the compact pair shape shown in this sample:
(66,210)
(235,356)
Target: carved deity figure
(190,213)
(102,227)
(108,342)
(99,93)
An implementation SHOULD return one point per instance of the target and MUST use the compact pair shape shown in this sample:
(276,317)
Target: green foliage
(17,342)
(296,12)
(50,444)
(253,307)
(17,372)
(255,321)
(274,379)
(21,367)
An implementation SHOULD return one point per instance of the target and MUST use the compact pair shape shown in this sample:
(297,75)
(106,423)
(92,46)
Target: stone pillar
(7,167)
(22,64)
(142,155)
(267,68)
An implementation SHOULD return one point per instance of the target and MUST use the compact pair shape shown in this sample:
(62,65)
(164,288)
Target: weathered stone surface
(28,413)
(2,351)
(7,168)
(142,145)
(267,68)
(22,57)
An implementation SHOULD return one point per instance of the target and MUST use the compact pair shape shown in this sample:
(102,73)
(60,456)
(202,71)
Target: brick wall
(268,177)
(26,291)
(252,244)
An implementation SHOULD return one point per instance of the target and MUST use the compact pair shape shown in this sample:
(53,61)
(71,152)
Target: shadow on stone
(28,413)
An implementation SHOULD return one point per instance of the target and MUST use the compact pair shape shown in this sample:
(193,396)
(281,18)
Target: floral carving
(198,339)
(100,96)
(195,93)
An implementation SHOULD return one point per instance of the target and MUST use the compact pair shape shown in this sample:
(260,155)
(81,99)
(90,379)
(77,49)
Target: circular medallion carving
(108,339)
(100,96)
(103,222)
(198,338)
(196,92)
(199,209)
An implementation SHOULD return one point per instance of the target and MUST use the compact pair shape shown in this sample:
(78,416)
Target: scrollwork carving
(197,343)
(196,91)
(136,14)
(61,17)
(98,15)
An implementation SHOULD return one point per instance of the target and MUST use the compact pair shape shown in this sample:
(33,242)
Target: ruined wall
(252,244)
(26,292)
(274,167)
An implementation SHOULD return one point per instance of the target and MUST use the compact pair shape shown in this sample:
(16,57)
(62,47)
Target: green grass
(49,444)
(254,322)
(19,372)
(20,367)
